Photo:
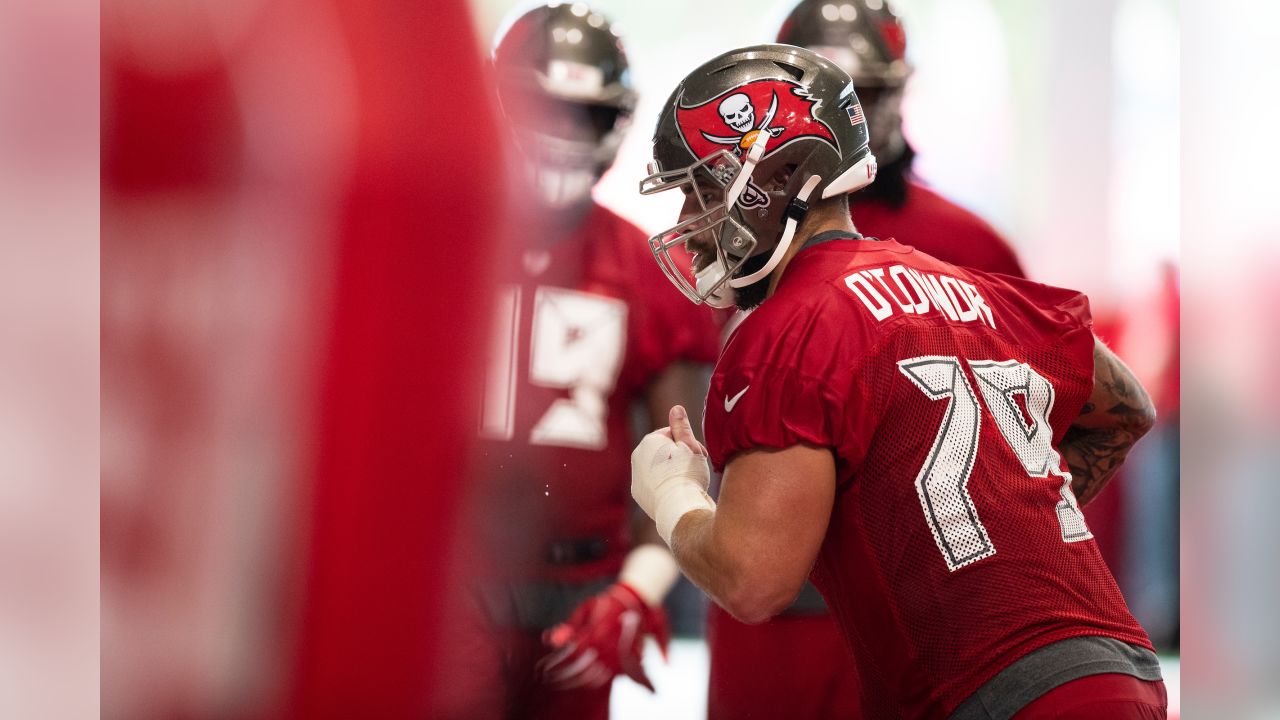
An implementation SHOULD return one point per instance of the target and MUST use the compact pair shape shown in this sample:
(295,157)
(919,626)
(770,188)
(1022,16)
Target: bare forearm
(751,559)
(1094,456)
(1117,415)
(692,546)
(735,577)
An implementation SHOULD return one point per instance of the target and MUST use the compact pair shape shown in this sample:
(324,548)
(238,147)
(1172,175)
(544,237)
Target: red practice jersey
(582,327)
(931,223)
(955,545)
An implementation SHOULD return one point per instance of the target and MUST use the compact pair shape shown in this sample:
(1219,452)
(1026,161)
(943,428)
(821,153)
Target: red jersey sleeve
(786,378)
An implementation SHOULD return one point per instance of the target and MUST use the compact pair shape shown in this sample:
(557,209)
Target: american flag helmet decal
(855,114)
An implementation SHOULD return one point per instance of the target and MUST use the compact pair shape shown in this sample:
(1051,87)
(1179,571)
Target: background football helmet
(865,38)
(565,87)
(731,126)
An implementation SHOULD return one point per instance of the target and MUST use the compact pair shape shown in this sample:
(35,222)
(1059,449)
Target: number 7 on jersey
(943,481)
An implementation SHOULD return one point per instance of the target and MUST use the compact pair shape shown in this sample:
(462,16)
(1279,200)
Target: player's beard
(747,298)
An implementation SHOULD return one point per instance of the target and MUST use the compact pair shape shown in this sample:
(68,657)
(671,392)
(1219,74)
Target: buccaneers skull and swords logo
(735,118)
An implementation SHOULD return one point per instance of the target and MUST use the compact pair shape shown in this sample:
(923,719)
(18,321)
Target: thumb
(682,430)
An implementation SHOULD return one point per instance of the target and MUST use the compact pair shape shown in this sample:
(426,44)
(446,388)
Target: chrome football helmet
(565,87)
(730,127)
(866,39)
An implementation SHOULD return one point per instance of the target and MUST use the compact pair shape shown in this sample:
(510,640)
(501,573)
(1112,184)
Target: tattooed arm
(1117,413)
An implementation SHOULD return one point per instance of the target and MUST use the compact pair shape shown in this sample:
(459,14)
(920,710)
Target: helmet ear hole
(782,176)
(795,72)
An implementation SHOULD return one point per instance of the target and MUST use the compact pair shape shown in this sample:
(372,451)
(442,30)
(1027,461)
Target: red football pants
(1111,696)
(793,666)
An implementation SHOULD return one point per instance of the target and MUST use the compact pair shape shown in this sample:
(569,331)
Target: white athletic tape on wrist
(669,480)
(651,571)
(675,503)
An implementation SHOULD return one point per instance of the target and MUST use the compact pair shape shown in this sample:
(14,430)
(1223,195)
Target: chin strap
(744,175)
(795,213)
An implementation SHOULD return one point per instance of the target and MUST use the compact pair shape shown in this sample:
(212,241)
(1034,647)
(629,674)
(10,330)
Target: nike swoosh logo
(730,402)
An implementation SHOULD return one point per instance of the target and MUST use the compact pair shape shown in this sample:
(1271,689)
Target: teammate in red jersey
(914,435)
(819,679)
(584,330)
(870,44)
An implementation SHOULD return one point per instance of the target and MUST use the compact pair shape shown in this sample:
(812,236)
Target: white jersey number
(577,344)
(943,481)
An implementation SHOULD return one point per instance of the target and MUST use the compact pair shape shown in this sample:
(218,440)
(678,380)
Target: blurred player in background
(585,330)
(865,38)
(895,426)
(817,679)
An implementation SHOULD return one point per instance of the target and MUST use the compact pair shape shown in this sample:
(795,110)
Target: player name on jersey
(917,293)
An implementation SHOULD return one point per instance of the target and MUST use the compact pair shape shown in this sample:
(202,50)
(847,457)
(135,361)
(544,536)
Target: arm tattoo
(1095,449)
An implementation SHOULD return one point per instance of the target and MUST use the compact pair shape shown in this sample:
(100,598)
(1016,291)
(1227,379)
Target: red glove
(602,639)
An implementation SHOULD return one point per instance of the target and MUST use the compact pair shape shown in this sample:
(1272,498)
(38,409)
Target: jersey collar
(828,236)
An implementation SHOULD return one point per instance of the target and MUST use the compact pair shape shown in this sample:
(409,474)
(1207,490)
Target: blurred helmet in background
(733,125)
(865,38)
(565,87)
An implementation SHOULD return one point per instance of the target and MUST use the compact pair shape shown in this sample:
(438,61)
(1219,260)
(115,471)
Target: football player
(915,436)
(865,39)
(586,328)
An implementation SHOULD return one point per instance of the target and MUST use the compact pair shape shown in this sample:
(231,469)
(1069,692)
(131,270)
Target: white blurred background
(1055,121)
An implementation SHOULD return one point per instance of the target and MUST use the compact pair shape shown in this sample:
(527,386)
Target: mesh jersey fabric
(939,227)
(936,586)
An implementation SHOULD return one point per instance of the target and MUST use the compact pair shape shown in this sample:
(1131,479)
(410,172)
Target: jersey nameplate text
(897,288)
